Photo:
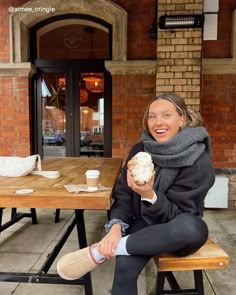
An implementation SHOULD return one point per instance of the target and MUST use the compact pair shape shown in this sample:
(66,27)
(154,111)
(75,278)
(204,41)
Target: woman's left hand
(145,190)
(108,244)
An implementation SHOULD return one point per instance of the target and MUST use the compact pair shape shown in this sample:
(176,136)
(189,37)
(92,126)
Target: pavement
(24,247)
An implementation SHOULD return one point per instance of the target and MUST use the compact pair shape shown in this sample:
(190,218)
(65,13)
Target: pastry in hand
(141,167)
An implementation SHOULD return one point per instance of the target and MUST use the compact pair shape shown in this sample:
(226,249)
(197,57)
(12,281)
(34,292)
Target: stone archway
(106,10)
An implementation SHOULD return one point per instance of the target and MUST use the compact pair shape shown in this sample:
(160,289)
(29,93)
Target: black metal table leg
(160,281)
(57,215)
(198,279)
(42,276)
(13,213)
(50,259)
(175,288)
(34,216)
(172,280)
(15,219)
(79,215)
(1,211)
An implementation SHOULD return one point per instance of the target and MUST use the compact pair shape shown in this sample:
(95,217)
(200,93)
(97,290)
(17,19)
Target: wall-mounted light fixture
(181,21)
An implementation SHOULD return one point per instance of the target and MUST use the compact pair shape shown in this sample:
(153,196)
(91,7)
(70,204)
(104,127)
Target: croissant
(141,167)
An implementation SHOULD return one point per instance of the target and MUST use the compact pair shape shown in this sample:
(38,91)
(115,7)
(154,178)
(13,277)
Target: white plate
(47,174)
(24,191)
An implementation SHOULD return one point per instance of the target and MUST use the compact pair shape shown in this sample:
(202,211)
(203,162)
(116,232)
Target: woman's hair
(192,117)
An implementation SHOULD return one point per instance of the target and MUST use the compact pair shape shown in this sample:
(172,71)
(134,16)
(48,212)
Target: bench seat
(209,256)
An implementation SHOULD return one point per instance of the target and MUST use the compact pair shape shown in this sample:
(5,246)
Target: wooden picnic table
(50,193)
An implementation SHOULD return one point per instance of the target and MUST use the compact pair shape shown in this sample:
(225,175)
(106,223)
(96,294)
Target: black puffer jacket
(185,194)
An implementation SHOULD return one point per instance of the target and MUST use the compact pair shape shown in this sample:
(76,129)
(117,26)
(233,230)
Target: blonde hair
(192,117)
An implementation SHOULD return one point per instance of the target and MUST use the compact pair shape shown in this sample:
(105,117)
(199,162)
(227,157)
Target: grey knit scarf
(180,151)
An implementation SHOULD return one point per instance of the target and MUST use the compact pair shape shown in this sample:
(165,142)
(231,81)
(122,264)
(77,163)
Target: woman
(164,214)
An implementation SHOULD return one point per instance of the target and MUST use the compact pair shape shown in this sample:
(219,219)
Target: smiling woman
(164,121)
(167,114)
(165,210)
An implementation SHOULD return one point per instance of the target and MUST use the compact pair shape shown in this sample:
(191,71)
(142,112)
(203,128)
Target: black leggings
(183,235)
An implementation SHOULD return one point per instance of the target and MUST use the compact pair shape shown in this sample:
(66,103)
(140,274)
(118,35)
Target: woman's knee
(194,231)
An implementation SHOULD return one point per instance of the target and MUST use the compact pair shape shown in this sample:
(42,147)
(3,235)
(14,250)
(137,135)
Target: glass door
(53,115)
(73,111)
(92,114)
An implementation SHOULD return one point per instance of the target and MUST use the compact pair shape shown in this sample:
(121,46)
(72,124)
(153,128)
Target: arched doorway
(72,91)
(24,49)
(106,10)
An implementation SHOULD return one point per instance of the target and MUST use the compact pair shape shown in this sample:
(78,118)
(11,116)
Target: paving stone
(24,247)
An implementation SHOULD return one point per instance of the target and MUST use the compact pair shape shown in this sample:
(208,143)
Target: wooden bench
(210,256)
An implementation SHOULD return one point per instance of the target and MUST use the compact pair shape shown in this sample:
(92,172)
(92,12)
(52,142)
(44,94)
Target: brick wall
(221,47)
(179,54)
(14,117)
(218,102)
(131,95)
(14,97)
(232,191)
(140,17)
(218,97)
(4,32)
(179,70)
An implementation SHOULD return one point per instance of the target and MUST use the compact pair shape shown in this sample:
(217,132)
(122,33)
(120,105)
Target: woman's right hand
(144,190)
(109,243)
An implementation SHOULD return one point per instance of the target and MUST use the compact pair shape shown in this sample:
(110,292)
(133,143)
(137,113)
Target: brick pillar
(179,54)
(14,116)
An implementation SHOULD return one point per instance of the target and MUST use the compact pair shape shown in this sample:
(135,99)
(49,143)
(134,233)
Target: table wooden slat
(50,193)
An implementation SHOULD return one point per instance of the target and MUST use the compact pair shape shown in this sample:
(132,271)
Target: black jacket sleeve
(126,203)
(187,193)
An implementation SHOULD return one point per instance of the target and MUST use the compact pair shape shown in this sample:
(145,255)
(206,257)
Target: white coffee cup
(92,180)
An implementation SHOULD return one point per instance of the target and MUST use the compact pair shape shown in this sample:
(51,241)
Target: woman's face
(163,120)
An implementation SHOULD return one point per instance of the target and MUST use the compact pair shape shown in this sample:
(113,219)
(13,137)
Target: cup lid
(92,173)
